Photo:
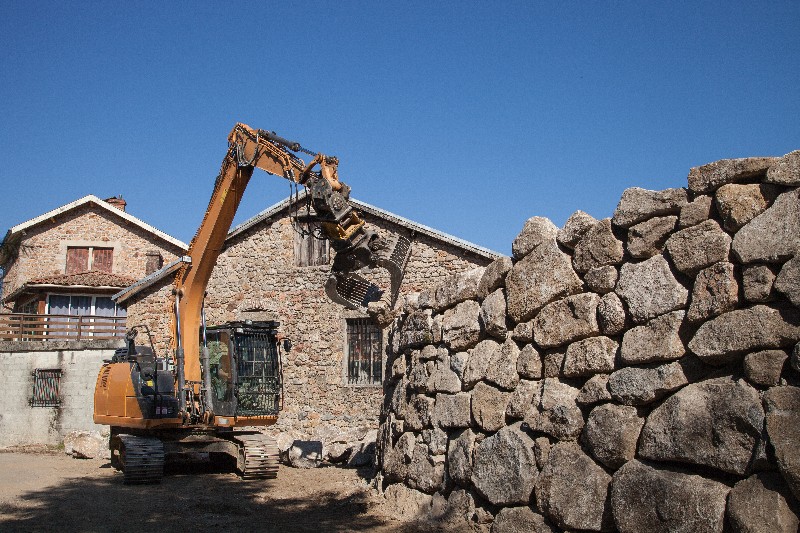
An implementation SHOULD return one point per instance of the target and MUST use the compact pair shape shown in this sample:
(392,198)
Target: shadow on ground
(193,498)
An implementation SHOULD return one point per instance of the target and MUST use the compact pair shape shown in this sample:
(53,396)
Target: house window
(46,383)
(364,352)
(80,305)
(84,259)
(310,245)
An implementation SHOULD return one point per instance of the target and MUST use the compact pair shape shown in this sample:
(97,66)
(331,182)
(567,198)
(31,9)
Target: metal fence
(31,327)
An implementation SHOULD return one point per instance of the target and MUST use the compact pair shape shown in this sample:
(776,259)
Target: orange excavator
(228,377)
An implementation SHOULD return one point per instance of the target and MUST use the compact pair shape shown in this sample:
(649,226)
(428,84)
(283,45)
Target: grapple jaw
(347,287)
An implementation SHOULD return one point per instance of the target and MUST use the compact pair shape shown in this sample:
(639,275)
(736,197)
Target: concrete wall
(638,373)
(21,424)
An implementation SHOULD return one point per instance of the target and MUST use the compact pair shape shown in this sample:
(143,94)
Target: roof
(102,204)
(92,280)
(153,278)
(274,210)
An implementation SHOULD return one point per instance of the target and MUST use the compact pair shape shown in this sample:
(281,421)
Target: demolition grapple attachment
(347,287)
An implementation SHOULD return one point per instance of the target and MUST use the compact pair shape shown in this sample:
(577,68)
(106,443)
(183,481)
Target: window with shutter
(102,259)
(77,260)
(310,247)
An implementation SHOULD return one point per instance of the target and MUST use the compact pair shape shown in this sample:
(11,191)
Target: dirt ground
(49,491)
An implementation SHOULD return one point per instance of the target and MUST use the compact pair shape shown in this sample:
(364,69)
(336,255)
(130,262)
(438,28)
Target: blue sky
(469,117)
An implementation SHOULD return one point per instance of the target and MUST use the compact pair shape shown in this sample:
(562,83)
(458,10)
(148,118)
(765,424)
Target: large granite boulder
(693,249)
(644,385)
(542,276)
(558,414)
(715,291)
(757,282)
(637,205)
(650,289)
(762,503)
(715,423)
(785,170)
(595,355)
(698,210)
(575,228)
(657,340)
(659,499)
(493,315)
(788,280)
(595,390)
(774,235)
(406,503)
(739,204)
(647,238)
(732,334)
(505,468)
(494,277)
(611,316)
(524,399)
(416,330)
(480,357)
(783,428)
(598,247)
(612,432)
(712,176)
(602,279)
(452,411)
(764,368)
(424,473)
(567,320)
(458,288)
(459,457)
(536,231)
(502,370)
(461,327)
(573,491)
(489,407)
(520,520)
(529,362)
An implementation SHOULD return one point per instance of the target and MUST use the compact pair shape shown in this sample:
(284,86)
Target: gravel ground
(48,491)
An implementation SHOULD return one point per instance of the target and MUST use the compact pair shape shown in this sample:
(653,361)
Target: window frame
(90,258)
(46,387)
(310,251)
(92,307)
(375,358)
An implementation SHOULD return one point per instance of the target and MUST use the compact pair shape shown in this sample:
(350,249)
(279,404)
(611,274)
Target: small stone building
(274,267)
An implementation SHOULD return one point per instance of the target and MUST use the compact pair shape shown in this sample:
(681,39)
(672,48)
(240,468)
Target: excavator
(224,378)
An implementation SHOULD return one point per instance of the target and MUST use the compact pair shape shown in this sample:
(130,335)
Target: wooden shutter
(309,250)
(77,260)
(102,259)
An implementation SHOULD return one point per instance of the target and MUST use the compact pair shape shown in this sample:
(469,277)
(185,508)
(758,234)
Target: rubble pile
(637,373)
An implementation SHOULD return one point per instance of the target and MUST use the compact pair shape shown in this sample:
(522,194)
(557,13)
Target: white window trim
(92,296)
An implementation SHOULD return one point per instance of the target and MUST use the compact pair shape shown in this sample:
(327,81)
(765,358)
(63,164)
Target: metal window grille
(45,388)
(364,352)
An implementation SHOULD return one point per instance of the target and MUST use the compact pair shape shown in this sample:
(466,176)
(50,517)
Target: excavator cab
(244,369)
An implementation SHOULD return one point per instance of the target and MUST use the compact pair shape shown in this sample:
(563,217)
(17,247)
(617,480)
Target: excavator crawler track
(258,456)
(141,459)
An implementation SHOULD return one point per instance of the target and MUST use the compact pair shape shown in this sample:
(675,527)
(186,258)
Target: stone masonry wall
(43,249)
(638,373)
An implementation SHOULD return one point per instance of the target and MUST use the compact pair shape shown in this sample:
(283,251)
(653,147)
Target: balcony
(22,327)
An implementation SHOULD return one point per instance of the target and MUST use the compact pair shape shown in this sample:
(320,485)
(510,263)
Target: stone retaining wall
(637,373)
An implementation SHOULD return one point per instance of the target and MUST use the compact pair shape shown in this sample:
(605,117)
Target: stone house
(57,318)
(274,268)
(72,259)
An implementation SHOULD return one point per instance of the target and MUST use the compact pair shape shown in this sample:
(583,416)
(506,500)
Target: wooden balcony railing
(27,327)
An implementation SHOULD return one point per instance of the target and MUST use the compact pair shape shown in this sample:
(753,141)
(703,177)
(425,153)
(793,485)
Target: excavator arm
(357,248)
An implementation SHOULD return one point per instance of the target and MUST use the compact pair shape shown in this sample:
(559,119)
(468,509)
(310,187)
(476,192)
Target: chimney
(154,262)
(117,202)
